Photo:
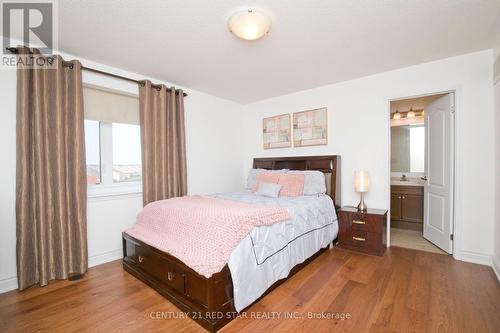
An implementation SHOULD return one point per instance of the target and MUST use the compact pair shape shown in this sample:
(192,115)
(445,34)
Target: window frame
(107,187)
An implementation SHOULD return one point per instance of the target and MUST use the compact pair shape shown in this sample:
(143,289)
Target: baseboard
(105,257)
(8,284)
(496,267)
(476,258)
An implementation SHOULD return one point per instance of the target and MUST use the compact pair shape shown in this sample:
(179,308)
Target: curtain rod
(68,64)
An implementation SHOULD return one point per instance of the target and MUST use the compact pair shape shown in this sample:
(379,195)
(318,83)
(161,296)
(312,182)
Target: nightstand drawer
(368,240)
(363,222)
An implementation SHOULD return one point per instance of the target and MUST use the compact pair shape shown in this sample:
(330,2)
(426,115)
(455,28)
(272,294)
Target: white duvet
(268,253)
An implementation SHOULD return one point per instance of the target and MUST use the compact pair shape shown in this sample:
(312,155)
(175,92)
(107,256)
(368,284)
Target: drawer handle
(141,259)
(170,276)
(359,239)
(358,222)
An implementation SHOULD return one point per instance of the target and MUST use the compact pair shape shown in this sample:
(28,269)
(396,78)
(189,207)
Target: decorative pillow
(266,176)
(293,184)
(271,190)
(252,176)
(314,183)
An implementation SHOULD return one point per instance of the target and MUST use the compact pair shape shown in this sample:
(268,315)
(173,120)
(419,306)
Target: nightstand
(362,231)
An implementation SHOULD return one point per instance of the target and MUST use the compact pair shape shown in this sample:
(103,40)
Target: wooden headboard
(329,165)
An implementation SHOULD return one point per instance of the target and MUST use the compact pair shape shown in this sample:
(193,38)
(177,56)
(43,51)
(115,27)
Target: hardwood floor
(403,291)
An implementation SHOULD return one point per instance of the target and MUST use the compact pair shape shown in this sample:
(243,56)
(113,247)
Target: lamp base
(362,206)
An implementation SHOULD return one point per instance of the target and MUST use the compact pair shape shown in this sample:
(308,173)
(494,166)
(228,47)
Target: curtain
(51,173)
(163,142)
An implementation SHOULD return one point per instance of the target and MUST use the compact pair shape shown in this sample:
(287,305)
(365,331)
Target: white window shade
(110,107)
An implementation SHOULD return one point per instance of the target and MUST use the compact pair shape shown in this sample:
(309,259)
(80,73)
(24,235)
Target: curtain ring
(158,87)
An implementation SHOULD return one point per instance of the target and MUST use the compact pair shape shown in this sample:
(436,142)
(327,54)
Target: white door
(438,189)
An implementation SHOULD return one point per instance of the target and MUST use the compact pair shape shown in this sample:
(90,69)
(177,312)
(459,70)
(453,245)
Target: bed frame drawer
(162,269)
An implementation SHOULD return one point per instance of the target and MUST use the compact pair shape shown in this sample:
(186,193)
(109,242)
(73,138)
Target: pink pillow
(267,177)
(293,184)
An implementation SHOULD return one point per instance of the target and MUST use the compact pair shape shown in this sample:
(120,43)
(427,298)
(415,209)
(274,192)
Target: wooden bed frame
(209,301)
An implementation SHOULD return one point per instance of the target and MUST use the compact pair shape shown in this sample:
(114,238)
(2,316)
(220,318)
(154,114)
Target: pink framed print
(277,132)
(310,128)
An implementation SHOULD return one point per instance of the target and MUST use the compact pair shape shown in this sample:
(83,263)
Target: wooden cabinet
(362,231)
(395,206)
(407,207)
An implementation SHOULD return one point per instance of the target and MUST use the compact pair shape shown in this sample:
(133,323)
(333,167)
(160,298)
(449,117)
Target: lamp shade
(361,181)
(249,24)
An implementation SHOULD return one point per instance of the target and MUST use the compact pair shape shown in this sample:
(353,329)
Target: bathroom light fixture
(249,24)
(396,115)
(410,114)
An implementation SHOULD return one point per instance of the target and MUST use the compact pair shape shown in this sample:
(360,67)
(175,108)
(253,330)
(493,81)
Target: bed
(251,271)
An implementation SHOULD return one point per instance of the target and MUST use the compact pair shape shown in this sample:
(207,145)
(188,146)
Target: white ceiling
(311,43)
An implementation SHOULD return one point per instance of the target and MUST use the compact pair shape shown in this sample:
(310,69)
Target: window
(112,143)
(126,153)
(93,151)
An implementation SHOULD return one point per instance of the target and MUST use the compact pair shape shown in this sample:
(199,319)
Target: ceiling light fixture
(249,24)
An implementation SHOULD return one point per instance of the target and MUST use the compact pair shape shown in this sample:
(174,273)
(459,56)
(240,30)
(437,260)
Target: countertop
(409,182)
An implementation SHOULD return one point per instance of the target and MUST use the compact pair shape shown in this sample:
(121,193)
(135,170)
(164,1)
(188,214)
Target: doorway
(421,182)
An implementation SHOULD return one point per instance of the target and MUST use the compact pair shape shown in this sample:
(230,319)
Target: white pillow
(314,182)
(269,189)
(252,176)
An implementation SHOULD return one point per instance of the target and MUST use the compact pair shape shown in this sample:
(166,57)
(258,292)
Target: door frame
(455,228)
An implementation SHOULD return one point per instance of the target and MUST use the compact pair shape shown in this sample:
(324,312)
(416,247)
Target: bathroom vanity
(407,176)
(407,205)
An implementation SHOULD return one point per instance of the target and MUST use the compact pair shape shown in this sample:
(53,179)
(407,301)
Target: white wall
(358,118)
(8,181)
(220,148)
(496,257)
(214,162)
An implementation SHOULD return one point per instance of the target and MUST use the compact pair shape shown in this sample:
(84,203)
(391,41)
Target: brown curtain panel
(163,142)
(51,174)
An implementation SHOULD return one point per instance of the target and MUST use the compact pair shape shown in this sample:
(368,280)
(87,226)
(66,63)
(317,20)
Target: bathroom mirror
(408,148)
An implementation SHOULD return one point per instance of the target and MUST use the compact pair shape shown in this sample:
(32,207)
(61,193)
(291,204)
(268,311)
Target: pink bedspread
(201,231)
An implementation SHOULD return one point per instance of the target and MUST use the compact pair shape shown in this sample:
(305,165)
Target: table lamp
(361,185)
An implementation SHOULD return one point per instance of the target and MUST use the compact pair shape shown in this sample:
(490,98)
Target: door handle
(170,276)
(424,178)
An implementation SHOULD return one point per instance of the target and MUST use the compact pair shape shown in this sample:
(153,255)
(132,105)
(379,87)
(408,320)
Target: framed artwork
(310,128)
(277,132)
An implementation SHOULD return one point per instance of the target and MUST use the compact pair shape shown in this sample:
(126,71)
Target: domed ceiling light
(249,24)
